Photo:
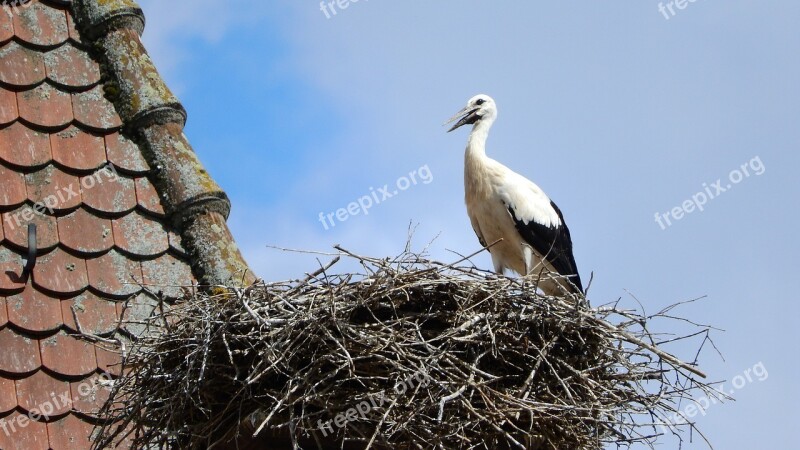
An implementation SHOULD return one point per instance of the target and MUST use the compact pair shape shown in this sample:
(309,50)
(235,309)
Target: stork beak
(466,116)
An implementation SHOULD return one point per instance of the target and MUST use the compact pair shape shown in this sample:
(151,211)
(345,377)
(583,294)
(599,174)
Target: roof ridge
(154,118)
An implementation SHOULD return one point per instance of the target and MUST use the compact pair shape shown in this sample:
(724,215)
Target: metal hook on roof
(31,261)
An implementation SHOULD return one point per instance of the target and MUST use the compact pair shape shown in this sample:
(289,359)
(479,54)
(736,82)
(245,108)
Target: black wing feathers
(553,243)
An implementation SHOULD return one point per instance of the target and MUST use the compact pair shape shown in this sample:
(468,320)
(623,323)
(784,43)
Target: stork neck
(476,144)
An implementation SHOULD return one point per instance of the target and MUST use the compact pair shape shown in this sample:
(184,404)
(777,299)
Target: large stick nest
(411,353)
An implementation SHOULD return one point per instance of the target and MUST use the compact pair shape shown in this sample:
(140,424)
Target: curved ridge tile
(33,311)
(147,197)
(33,438)
(142,92)
(6,24)
(67,355)
(41,25)
(125,154)
(168,275)
(101,17)
(41,389)
(20,353)
(92,109)
(115,275)
(77,149)
(24,147)
(61,273)
(45,106)
(54,188)
(21,66)
(95,315)
(89,395)
(83,232)
(117,196)
(141,236)
(70,66)
(183,182)
(13,183)
(16,222)
(214,249)
(8,106)
(70,433)
(8,395)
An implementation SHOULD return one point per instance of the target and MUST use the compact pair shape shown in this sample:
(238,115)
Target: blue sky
(616,111)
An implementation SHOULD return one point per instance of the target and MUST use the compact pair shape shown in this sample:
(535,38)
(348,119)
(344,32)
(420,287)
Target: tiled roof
(124,212)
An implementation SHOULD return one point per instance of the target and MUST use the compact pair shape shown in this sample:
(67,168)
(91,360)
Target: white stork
(503,205)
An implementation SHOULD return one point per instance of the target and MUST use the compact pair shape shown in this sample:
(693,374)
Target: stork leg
(527,258)
(498,265)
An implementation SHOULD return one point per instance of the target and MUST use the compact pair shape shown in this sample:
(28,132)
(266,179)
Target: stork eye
(480,101)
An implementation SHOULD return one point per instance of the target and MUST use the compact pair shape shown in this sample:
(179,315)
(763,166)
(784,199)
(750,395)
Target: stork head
(480,108)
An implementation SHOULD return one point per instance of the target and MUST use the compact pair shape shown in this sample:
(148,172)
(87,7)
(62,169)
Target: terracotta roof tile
(77,149)
(60,273)
(70,433)
(44,394)
(41,25)
(45,106)
(33,311)
(123,153)
(13,183)
(10,270)
(69,66)
(16,223)
(25,434)
(52,186)
(137,312)
(20,353)
(137,235)
(101,175)
(176,243)
(168,275)
(89,395)
(119,199)
(126,442)
(102,232)
(67,355)
(24,147)
(91,108)
(21,66)
(6,24)
(108,361)
(74,34)
(95,315)
(147,197)
(8,106)
(3,313)
(83,232)
(8,395)
(115,275)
